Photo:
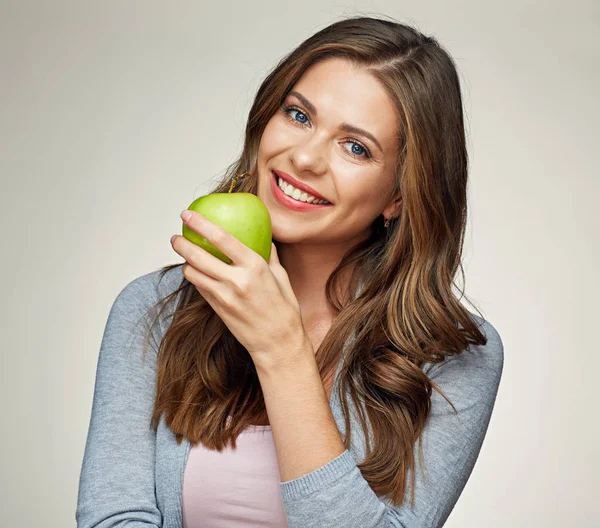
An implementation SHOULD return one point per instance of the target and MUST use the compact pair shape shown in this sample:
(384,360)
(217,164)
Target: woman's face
(306,139)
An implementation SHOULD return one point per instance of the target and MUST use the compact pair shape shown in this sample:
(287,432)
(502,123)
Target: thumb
(274,258)
(281,276)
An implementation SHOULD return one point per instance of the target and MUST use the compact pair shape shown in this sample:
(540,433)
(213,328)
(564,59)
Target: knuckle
(228,302)
(217,236)
(257,267)
(242,285)
(195,260)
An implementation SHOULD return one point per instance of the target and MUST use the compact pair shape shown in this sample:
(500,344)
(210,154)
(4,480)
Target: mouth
(289,201)
(301,186)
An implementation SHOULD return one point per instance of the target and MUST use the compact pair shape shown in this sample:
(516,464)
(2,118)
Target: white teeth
(297,194)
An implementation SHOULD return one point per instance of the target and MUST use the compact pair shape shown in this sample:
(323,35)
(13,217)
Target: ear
(392,208)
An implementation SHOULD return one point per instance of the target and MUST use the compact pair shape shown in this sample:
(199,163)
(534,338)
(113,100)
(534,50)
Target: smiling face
(311,138)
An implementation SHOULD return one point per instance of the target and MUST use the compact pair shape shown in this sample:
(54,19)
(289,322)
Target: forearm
(304,431)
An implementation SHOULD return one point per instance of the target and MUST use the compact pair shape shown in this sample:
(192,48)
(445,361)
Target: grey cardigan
(132,477)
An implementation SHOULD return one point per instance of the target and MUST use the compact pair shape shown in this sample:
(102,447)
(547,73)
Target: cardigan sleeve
(336,494)
(116,486)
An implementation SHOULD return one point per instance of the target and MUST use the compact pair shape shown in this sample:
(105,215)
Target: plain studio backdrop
(115,116)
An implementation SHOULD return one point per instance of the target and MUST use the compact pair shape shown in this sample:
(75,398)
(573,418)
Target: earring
(387,223)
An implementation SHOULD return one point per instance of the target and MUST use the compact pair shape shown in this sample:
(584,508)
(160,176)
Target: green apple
(241,214)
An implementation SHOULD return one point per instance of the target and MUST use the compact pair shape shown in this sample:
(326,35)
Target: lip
(290,203)
(299,185)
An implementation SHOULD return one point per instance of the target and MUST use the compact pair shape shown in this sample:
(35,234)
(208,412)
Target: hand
(252,297)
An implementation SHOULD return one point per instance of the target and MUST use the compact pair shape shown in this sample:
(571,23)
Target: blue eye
(299,113)
(287,110)
(361,149)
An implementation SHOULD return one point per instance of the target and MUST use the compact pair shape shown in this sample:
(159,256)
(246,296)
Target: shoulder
(494,344)
(140,298)
(151,287)
(489,355)
(474,374)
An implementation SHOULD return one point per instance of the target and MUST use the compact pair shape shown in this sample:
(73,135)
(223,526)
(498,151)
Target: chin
(289,235)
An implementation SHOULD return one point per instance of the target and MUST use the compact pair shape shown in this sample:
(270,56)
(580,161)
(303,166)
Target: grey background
(114,116)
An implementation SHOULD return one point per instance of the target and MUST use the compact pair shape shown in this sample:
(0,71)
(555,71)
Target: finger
(275,266)
(206,286)
(220,238)
(201,259)
(283,279)
(274,258)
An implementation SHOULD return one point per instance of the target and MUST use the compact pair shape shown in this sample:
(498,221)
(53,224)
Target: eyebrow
(346,127)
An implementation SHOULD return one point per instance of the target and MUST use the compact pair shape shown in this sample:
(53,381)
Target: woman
(234,420)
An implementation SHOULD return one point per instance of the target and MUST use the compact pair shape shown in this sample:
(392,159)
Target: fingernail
(186,215)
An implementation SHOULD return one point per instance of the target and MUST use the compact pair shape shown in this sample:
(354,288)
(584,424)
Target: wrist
(289,357)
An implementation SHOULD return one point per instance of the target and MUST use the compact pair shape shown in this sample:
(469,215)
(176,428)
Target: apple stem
(236,178)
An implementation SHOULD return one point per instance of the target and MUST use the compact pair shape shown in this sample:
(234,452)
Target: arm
(336,494)
(304,430)
(116,486)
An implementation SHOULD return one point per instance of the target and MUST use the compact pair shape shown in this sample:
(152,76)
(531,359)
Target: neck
(308,267)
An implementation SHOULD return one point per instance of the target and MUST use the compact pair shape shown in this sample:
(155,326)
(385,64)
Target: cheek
(276,137)
(359,189)
(267,140)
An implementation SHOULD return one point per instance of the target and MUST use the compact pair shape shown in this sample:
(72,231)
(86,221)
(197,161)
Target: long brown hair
(406,313)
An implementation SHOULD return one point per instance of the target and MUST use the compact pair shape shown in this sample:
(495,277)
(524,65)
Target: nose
(310,154)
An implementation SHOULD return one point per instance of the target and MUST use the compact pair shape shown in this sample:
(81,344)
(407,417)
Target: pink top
(234,489)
